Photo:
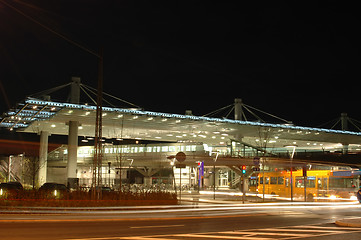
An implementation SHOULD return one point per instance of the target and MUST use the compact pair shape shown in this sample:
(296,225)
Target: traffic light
(243,169)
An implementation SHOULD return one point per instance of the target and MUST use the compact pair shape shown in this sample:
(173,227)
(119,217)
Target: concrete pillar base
(73,183)
(148,181)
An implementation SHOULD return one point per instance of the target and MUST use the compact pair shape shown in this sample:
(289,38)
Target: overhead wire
(109,95)
(217,110)
(269,114)
(50,30)
(48,91)
(82,88)
(251,112)
(351,121)
(95,93)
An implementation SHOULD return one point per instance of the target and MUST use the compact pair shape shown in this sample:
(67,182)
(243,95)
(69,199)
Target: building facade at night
(218,146)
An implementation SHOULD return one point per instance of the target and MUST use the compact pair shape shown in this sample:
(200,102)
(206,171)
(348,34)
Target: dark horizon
(297,62)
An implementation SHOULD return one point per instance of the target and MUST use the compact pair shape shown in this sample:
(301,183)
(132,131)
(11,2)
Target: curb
(356,223)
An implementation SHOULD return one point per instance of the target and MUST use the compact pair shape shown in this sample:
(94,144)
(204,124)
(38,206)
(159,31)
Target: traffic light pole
(214,180)
(243,193)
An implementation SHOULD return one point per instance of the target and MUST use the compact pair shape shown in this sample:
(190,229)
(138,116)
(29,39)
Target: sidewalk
(353,222)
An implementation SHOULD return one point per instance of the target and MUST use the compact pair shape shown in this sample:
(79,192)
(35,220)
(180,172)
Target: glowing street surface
(296,220)
(169,211)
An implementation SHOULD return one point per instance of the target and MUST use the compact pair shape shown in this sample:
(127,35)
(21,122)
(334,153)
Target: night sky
(299,61)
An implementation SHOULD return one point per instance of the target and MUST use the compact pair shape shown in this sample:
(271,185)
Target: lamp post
(291,160)
(214,172)
(109,163)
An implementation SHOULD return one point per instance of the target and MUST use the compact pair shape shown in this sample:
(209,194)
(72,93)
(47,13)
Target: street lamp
(214,172)
(291,158)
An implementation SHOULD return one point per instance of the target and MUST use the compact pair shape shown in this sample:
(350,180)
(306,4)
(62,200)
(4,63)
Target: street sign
(180,165)
(181,157)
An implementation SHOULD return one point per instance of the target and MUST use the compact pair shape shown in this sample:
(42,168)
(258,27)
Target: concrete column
(148,181)
(72,154)
(344,148)
(238,112)
(344,127)
(344,120)
(75,90)
(73,136)
(43,157)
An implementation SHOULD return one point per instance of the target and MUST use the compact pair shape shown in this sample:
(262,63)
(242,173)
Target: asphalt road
(207,222)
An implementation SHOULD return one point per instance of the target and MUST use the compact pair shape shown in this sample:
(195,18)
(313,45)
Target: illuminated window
(273,180)
(164,148)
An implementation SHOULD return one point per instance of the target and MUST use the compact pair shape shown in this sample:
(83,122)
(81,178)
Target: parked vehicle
(10,189)
(53,190)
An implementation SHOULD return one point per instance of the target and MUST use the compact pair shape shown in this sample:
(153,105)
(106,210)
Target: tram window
(341,182)
(253,182)
(164,148)
(311,182)
(171,148)
(319,183)
(266,180)
(149,149)
(273,180)
(281,180)
(299,182)
(261,180)
(194,148)
(188,148)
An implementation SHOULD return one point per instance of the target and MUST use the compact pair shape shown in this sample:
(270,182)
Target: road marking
(249,233)
(159,226)
(145,238)
(130,237)
(217,236)
(284,233)
(298,230)
(331,228)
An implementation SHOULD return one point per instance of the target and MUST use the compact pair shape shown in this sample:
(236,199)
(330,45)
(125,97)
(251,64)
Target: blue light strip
(187,117)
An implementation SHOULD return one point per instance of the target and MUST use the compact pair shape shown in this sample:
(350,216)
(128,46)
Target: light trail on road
(260,207)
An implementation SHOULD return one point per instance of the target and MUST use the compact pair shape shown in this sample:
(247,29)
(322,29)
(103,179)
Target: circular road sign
(181,157)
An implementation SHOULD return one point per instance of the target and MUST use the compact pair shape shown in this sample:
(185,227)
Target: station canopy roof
(34,115)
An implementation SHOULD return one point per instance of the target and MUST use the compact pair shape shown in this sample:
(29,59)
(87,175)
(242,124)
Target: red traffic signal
(244,169)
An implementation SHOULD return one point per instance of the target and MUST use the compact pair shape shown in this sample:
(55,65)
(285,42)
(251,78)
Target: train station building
(140,147)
